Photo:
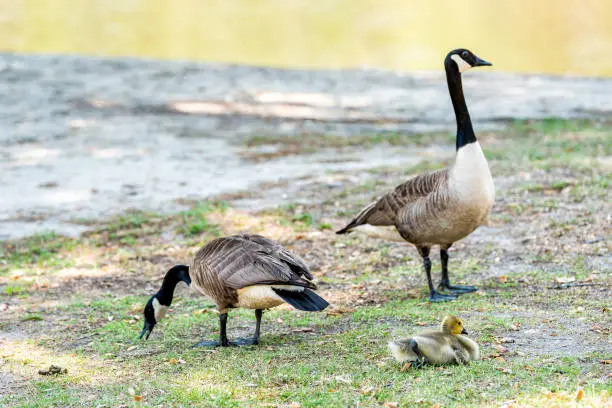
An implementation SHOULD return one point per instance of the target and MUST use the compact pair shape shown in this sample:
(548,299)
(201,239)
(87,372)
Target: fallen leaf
(200,311)
(579,394)
(132,348)
(406,366)
(137,397)
(173,361)
(390,404)
(295,405)
(53,370)
(421,324)
(279,320)
(303,330)
(503,279)
(337,311)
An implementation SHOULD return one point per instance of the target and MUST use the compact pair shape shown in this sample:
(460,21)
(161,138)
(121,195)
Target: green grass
(344,361)
(317,141)
(39,249)
(195,221)
(551,197)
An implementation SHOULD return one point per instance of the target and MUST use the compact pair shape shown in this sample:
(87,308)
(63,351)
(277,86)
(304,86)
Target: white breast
(470,177)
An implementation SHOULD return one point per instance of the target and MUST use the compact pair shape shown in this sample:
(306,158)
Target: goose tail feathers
(305,300)
(360,219)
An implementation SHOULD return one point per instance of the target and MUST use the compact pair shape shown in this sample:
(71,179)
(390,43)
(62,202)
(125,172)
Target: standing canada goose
(440,207)
(449,345)
(248,271)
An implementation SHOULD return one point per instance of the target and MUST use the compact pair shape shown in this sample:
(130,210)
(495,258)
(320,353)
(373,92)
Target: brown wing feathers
(245,260)
(385,210)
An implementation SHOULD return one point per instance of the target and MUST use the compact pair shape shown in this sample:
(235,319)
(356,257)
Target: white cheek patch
(159,310)
(461,64)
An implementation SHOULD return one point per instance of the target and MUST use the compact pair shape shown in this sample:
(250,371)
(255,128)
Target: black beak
(482,63)
(463,331)
(147,327)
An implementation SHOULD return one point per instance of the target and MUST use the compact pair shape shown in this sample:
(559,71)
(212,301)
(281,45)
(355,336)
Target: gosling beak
(482,63)
(463,331)
(147,328)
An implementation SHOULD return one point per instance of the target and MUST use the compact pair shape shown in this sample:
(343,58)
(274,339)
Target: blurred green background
(549,36)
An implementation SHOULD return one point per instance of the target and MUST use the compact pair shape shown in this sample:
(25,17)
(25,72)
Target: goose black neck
(176,274)
(465,131)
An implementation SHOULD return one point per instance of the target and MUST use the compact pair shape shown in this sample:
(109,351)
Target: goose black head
(465,59)
(158,305)
(154,311)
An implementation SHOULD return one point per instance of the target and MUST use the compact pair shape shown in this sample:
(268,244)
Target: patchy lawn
(542,315)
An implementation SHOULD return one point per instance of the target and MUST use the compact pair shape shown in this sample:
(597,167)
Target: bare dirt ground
(85,138)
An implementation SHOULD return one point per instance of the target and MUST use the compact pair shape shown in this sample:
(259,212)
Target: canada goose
(445,346)
(248,271)
(440,207)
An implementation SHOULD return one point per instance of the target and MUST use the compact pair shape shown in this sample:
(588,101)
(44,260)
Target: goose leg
(223,342)
(255,340)
(433,295)
(258,314)
(445,282)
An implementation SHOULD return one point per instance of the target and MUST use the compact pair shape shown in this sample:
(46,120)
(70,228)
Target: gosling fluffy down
(449,345)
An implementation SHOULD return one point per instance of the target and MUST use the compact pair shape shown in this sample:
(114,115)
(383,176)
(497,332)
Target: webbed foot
(418,364)
(236,343)
(458,289)
(439,297)
(212,344)
(245,342)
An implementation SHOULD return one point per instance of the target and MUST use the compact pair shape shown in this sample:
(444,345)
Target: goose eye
(465,54)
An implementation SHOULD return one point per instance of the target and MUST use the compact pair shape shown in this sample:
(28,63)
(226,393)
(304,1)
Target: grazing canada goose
(440,207)
(248,271)
(445,346)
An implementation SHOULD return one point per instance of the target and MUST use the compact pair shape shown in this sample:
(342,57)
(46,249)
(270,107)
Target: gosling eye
(465,54)
(459,323)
